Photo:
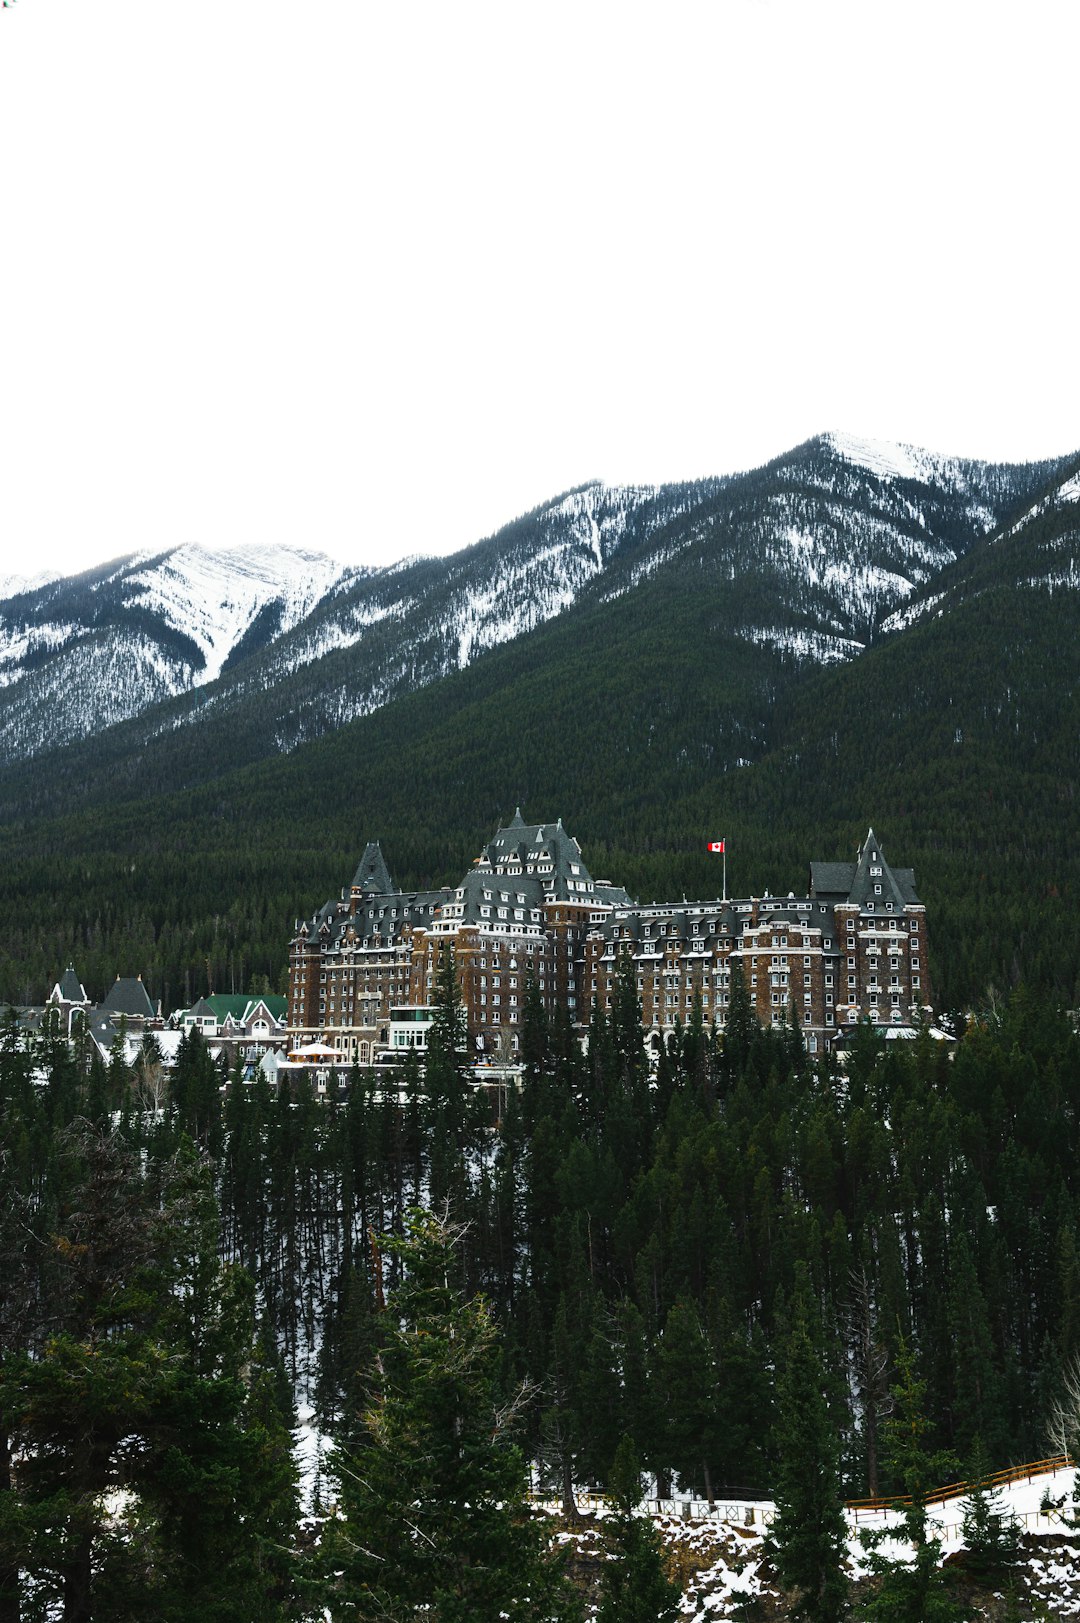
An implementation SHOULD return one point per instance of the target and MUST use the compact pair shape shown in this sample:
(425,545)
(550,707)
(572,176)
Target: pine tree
(912,1589)
(991,1530)
(145,1380)
(434,1519)
(808,1536)
(634,1587)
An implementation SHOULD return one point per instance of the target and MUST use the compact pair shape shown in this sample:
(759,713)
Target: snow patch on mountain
(21,642)
(910,612)
(343,628)
(213,594)
(598,514)
(1054,580)
(885,459)
(809,645)
(123,671)
(517,602)
(1063,495)
(12,585)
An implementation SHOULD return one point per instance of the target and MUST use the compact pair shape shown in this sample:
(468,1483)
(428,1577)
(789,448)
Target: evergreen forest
(663,1268)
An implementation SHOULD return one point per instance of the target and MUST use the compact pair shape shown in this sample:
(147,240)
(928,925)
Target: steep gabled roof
(128,996)
(69,988)
(874,880)
(548,849)
(372,875)
(855,881)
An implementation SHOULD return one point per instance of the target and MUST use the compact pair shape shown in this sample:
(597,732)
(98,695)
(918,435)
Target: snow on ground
(722,1563)
(1063,495)
(811,645)
(17,643)
(310,1447)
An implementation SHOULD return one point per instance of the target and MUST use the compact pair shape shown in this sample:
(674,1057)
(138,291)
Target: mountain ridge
(821,543)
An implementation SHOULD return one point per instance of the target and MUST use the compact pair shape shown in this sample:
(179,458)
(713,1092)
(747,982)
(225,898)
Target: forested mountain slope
(807,555)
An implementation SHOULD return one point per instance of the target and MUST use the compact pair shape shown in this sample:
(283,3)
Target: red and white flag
(716,845)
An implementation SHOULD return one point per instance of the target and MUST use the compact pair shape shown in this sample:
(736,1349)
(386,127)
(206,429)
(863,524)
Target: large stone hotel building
(363,969)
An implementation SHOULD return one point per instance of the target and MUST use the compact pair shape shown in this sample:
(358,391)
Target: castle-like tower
(363,969)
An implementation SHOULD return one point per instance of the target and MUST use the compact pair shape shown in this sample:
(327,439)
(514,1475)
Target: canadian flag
(716,845)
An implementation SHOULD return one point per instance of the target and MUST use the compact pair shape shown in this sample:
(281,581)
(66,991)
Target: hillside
(198,661)
(713,676)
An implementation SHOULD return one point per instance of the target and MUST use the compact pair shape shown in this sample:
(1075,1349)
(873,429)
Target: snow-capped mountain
(80,654)
(814,556)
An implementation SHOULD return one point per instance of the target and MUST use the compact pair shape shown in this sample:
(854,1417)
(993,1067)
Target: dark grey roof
(372,874)
(853,881)
(905,879)
(611,895)
(103,1027)
(482,893)
(70,987)
(545,850)
(873,871)
(831,880)
(389,915)
(128,996)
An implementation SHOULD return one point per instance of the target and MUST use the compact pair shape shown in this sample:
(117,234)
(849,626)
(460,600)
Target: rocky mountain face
(817,555)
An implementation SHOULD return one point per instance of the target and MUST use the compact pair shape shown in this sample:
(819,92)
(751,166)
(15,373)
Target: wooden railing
(959,1490)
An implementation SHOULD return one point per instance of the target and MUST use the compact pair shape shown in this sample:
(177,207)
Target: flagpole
(724,897)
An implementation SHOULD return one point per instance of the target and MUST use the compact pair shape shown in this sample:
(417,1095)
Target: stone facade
(529,912)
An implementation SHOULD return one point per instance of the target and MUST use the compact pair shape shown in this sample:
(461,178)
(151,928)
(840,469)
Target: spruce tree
(434,1521)
(991,1530)
(808,1536)
(146,1380)
(913,1588)
(634,1588)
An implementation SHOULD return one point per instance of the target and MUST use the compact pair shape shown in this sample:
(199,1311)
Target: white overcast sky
(377,278)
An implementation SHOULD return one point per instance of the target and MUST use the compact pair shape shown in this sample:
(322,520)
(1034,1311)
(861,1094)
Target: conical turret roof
(373,876)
